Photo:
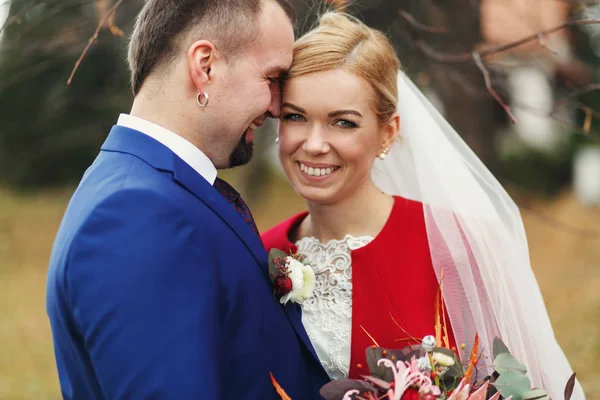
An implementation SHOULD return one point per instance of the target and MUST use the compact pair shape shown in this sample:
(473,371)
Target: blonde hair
(342,41)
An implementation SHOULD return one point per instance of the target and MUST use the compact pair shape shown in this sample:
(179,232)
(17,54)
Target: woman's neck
(362,214)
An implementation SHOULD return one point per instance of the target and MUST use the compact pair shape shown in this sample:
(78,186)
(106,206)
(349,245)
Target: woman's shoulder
(406,224)
(407,211)
(277,237)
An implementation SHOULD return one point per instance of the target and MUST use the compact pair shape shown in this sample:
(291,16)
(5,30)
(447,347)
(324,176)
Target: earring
(199,99)
(382,155)
(277,139)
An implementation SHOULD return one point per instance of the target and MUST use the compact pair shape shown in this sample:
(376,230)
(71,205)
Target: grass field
(567,266)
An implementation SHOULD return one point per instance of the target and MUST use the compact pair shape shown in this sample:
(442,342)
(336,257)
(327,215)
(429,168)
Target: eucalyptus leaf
(505,362)
(336,389)
(499,347)
(413,351)
(274,253)
(513,383)
(536,394)
(374,354)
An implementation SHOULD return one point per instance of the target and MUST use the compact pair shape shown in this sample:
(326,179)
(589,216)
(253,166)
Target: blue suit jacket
(158,289)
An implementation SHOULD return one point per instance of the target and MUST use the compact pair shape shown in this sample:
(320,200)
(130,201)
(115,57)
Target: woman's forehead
(327,91)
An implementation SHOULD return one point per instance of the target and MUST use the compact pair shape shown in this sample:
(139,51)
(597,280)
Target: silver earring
(277,139)
(202,102)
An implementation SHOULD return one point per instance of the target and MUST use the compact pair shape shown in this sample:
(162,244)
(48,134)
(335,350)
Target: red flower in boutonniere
(292,278)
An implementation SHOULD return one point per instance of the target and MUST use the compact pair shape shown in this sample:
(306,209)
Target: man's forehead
(277,37)
(279,67)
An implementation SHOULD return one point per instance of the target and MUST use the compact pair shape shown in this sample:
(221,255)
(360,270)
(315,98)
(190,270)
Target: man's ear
(201,57)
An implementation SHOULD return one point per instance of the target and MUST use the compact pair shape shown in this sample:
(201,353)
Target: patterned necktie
(234,198)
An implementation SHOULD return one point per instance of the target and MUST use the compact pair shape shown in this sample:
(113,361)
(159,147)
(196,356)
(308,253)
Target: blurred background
(549,160)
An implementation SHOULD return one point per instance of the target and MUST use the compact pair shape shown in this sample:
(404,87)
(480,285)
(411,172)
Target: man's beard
(242,154)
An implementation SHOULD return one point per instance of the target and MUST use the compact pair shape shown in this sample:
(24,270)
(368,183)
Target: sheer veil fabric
(477,242)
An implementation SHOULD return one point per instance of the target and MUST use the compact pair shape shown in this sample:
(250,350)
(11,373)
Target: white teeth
(253,126)
(316,171)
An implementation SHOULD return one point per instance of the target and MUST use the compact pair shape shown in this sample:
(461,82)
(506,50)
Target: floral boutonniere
(292,278)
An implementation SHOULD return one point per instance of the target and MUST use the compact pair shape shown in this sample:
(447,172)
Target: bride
(396,202)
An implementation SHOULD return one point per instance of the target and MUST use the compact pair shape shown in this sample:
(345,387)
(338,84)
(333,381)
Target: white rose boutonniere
(293,279)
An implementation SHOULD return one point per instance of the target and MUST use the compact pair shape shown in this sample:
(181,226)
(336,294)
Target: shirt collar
(185,150)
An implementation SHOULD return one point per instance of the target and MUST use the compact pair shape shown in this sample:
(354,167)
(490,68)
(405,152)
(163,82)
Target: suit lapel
(130,141)
(189,178)
(294,314)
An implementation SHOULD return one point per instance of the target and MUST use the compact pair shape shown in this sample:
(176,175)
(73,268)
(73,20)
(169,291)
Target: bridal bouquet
(434,371)
(429,372)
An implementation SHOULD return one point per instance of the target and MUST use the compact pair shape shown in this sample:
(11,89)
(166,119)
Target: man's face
(252,89)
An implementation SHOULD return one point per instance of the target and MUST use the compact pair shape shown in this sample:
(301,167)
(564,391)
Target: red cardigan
(393,274)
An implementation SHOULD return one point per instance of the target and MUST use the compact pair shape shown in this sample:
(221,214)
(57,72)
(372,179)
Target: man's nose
(274,110)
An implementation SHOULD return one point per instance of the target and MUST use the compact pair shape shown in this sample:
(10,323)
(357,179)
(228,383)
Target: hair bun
(343,41)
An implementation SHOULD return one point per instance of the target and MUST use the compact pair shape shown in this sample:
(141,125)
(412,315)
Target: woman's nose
(316,142)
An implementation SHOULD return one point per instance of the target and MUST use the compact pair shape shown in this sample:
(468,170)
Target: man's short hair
(162,24)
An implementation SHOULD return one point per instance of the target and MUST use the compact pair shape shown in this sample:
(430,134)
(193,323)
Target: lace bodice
(327,315)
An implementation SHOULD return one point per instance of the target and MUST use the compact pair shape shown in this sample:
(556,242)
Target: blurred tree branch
(415,24)
(477,56)
(106,20)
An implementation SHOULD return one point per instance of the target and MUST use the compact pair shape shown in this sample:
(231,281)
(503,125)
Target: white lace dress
(327,315)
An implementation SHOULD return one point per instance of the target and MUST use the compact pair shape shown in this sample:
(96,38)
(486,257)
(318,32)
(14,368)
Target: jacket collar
(142,146)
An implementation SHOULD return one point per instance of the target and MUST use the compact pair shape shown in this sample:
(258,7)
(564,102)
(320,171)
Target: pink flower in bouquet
(405,375)
(461,392)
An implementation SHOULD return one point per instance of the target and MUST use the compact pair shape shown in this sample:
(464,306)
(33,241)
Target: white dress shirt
(185,150)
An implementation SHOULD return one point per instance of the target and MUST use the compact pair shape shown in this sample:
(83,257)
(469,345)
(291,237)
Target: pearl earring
(382,155)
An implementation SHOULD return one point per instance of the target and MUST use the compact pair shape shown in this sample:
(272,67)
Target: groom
(158,285)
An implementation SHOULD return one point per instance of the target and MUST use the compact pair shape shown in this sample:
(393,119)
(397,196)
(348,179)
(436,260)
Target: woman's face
(330,135)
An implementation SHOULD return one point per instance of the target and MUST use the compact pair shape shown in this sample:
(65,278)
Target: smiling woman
(331,134)
(338,117)
(387,222)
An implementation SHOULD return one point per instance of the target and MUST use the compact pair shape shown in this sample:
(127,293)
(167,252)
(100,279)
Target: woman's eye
(292,117)
(344,123)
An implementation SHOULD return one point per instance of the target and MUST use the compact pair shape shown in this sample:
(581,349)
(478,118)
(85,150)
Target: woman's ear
(391,130)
